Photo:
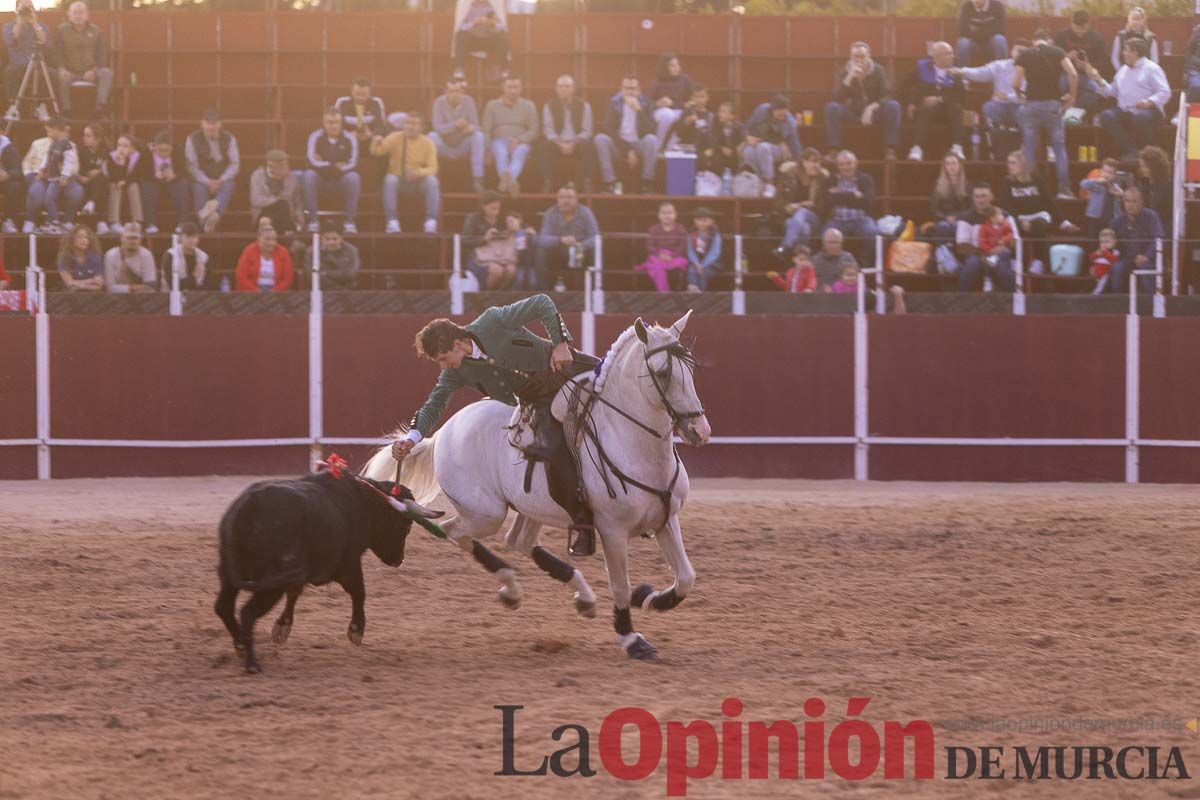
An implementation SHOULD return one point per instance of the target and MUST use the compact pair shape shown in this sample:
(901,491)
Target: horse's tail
(416,473)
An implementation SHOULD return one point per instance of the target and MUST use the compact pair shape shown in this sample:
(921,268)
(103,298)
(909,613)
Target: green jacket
(511,354)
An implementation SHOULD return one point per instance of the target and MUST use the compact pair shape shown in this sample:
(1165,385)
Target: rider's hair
(438,337)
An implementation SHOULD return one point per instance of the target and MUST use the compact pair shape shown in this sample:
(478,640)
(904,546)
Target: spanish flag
(1193,144)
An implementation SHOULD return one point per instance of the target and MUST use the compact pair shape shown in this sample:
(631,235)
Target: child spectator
(802,277)
(50,168)
(165,171)
(129,267)
(92,154)
(186,259)
(1103,192)
(523,242)
(848,282)
(996,233)
(79,263)
(265,265)
(696,122)
(666,244)
(1104,259)
(124,167)
(703,251)
(719,151)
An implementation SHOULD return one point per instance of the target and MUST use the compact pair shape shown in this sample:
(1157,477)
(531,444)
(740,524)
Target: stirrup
(581,540)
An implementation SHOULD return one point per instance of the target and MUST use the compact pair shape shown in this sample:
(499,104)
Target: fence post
(1132,388)
(316,359)
(861,471)
(587,324)
(739,295)
(41,323)
(598,285)
(176,299)
(1160,300)
(456,276)
(880,289)
(1018,299)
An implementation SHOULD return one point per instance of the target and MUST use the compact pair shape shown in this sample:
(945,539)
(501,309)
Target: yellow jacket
(421,154)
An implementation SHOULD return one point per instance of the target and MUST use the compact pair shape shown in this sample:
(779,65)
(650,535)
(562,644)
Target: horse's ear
(639,328)
(681,323)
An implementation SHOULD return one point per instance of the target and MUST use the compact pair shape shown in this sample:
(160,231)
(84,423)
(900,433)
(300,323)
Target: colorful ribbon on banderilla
(336,466)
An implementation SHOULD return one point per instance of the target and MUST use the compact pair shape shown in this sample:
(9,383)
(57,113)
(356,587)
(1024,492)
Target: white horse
(632,478)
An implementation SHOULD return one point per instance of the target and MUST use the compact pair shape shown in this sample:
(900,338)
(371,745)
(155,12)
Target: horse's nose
(703,430)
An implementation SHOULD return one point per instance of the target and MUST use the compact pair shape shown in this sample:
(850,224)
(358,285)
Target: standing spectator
(1083,44)
(186,259)
(703,250)
(1040,70)
(567,132)
(481,26)
(950,199)
(213,162)
(13,180)
(1192,67)
(456,132)
(771,138)
(1002,109)
(1104,191)
(93,152)
(568,234)
(1154,179)
(802,277)
(628,134)
(846,204)
(832,260)
(166,174)
(491,251)
(862,94)
(1135,28)
(974,262)
(666,248)
(1025,197)
(22,38)
(129,267)
(79,263)
(801,187)
(333,166)
(275,194)
(932,91)
(720,150)
(1138,230)
(1141,90)
(339,260)
(981,31)
(669,93)
(125,168)
(82,56)
(50,168)
(412,170)
(265,265)
(510,127)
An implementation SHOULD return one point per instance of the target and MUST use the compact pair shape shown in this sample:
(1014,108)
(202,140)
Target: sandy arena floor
(940,602)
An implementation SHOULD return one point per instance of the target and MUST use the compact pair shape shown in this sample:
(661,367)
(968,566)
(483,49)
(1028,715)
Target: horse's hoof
(642,650)
(354,635)
(253,668)
(641,594)
(239,648)
(585,609)
(511,603)
(280,633)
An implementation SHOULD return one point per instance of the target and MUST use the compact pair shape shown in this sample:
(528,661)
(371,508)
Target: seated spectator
(332,166)
(456,132)
(996,231)
(981,26)
(81,56)
(847,202)
(50,168)
(1135,28)
(629,135)
(1041,69)
(13,181)
(1154,179)
(186,260)
(265,265)
(800,190)
(490,246)
(362,113)
(703,251)
(275,194)
(1025,196)
(1141,91)
(695,123)
(481,26)
(1104,191)
(125,168)
(974,262)
(567,133)
(666,248)
(1083,44)
(510,127)
(950,200)
(1103,259)
(862,94)
(213,163)
(1001,110)
(802,277)
(568,235)
(1192,67)
(79,263)
(93,152)
(166,174)
(721,149)
(933,92)
(668,94)
(1138,230)
(22,38)
(129,267)
(412,170)
(339,260)
(771,138)
(831,260)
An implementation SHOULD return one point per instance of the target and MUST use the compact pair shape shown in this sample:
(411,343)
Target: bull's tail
(417,472)
(261,552)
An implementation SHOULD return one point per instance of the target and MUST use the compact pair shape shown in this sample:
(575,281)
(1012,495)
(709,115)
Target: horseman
(505,361)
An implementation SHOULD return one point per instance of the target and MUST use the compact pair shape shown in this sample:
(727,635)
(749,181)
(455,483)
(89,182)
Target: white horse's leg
(466,532)
(616,561)
(670,543)
(523,536)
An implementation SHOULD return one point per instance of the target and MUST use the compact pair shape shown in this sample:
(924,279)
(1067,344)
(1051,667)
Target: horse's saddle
(537,428)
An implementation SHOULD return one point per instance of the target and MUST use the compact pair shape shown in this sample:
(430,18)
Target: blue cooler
(681,172)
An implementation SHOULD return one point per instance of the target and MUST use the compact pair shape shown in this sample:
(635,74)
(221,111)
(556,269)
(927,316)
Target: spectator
(981,31)
(771,138)
(412,170)
(1103,259)
(332,166)
(996,231)
(275,194)
(125,168)
(1141,90)
(862,94)
(666,248)
(846,203)
(265,265)
(213,162)
(950,200)
(166,172)
(1138,230)
(933,91)
(50,168)
(79,263)
(456,132)
(491,248)
(1192,67)
(974,262)
(82,56)
(523,238)
(800,191)
(628,134)
(13,181)
(186,259)
(362,113)
(669,93)
(703,250)
(93,152)
(22,38)
(1083,44)
(696,121)
(481,26)
(1002,109)
(567,132)
(568,234)
(1103,193)
(831,260)
(510,127)
(339,260)
(720,149)
(1040,69)
(1025,197)
(129,267)
(1135,28)
(802,277)
(1154,179)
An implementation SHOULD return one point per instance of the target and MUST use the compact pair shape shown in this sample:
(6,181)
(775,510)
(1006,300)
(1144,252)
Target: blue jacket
(712,258)
(764,125)
(1136,237)
(612,120)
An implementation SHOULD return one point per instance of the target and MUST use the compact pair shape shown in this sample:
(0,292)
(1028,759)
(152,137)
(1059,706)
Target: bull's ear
(639,328)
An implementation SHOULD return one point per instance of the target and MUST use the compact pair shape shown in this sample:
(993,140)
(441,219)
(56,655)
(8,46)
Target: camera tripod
(35,71)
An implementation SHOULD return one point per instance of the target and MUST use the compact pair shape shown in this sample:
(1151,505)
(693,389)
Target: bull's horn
(428,513)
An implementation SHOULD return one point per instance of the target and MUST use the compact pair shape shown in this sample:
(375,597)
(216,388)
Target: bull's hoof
(585,609)
(239,648)
(509,602)
(641,650)
(280,633)
(354,634)
(641,594)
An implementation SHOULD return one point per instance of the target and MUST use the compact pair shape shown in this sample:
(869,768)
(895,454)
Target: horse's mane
(610,357)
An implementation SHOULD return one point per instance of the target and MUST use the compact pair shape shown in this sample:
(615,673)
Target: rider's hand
(401,448)
(561,358)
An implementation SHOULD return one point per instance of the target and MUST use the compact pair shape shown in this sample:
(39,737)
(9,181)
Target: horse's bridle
(673,350)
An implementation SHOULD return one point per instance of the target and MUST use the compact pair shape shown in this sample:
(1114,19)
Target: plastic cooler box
(681,172)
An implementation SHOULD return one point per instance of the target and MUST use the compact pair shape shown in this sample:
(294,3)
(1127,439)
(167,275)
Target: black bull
(278,536)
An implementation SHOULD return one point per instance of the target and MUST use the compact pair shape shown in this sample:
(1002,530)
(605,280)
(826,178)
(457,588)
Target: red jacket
(798,279)
(246,277)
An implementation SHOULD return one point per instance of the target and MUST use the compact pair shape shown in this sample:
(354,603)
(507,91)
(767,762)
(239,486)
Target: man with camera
(24,37)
